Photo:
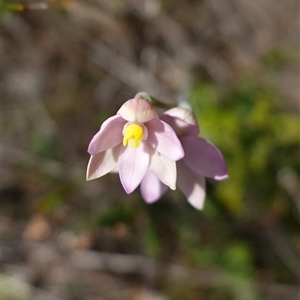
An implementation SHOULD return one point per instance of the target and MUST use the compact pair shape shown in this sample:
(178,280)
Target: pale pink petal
(183,113)
(204,158)
(163,139)
(152,188)
(109,135)
(132,164)
(137,110)
(102,163)
(164,168)
(192,185)
(180,126)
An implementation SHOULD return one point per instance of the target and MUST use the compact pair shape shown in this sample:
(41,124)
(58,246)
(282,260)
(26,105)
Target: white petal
(164,168)
(183,113)
(191,184)
(102,163)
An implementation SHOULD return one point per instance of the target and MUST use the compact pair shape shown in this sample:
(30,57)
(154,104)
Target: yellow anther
(133,135)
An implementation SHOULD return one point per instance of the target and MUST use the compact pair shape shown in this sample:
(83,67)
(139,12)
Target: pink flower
(134,141)
(202,159)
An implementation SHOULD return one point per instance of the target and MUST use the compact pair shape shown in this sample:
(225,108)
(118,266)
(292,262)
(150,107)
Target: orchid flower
(202,159)
(133,141)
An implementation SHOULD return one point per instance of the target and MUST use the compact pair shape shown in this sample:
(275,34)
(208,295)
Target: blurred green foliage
(121,213)
(278,57)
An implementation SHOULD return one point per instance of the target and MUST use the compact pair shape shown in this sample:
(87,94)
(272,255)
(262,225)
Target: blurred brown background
(67,68)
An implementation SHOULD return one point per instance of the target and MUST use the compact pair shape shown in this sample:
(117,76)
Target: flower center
(133,135)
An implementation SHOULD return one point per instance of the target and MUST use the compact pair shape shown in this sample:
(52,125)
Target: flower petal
(152,188)
(137,110)
(204,158)
(162,138)
(180,126)
(133,164)
(102,163)
(109,135)
(184,114)
(192,185)
(164,168)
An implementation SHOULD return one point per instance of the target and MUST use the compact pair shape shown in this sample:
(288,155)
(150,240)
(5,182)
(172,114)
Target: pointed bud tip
(173,187)
(183,113)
